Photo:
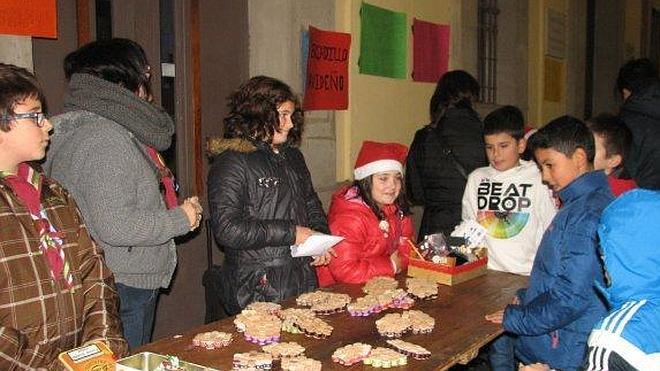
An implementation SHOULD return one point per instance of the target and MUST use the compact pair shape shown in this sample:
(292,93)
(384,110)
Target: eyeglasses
(36,117)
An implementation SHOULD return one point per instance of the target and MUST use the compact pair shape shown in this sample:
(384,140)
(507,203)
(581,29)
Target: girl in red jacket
(373,217)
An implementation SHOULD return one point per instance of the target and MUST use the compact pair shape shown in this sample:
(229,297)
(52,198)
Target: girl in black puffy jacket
(444,152)
(261,197)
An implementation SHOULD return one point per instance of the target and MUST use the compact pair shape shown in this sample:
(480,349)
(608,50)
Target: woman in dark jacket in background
(261,197)
(444,152)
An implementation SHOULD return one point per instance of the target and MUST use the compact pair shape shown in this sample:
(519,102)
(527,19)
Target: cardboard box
(93,356)
(448,273)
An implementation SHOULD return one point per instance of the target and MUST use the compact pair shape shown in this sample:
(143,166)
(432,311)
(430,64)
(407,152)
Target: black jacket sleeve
(313,205)
(414,167)
(228,196)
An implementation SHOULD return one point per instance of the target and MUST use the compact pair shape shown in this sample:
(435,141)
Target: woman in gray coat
(105,151)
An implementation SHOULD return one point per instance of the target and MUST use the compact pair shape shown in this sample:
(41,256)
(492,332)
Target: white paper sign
(317,244)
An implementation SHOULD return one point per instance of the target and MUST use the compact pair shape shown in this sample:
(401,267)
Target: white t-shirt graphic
(515,208)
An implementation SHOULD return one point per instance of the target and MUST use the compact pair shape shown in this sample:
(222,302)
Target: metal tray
(147,361)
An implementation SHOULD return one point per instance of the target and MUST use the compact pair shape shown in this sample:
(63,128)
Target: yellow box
(93,356)
(449,273)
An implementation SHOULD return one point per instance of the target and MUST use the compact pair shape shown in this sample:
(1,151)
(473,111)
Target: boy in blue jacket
(629,337)
(552,318)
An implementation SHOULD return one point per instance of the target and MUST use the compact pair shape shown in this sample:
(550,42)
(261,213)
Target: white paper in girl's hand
(316,245)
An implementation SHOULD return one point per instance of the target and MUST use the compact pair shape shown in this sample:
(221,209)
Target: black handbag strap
(209,244)
(447,151)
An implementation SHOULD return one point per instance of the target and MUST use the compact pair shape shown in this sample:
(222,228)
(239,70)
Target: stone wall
(16,50)
(275,36)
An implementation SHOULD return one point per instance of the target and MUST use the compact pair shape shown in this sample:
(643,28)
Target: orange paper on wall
(37,18)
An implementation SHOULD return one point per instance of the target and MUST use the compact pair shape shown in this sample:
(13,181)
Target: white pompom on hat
(375,157)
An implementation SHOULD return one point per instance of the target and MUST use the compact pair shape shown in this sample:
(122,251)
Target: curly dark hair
(364,191)
(16,85)
(253,111)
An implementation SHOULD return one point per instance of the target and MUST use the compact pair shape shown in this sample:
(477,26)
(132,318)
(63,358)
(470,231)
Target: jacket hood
(646,102)
(218,145)
(629,238)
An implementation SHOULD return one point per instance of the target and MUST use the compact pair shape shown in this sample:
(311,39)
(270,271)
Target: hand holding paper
(316,245)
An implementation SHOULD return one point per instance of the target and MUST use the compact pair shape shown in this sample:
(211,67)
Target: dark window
(103,20)
(487,50)
(167,91)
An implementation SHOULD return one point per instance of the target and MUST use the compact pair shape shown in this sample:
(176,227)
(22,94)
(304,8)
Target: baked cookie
(308,299)
(264,306)
(313,327)
(385,358)
(324,303)
(364,306)
(252,361)
(300,364)
(379,284)
(393,325)
(284,350)
(212,339)
(421,288)
(289,317)
(398,298)
(412,350)
(420,322)
(258,327)
(351,354)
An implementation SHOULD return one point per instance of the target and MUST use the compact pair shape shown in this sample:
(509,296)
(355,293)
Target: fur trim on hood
(217,145)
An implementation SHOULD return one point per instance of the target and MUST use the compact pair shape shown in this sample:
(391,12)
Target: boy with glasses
(55,291)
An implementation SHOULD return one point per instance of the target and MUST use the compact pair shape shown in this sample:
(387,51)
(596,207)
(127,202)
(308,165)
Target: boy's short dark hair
(616,135)
(508,120)
(636,75)
(564,134)
(16,84)
(120,61)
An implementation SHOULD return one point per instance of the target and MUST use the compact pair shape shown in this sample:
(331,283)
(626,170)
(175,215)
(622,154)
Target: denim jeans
(136,309)
(501,353)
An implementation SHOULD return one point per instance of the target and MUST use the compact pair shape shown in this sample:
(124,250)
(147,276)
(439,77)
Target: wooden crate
(447,274)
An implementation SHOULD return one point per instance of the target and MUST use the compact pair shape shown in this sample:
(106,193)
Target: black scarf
(150,124)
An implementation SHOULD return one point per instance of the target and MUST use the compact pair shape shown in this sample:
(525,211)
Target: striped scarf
(27,184)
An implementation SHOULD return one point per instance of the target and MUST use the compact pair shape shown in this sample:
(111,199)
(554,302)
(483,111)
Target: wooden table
(459,332)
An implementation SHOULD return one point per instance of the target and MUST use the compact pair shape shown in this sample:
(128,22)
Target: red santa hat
(377,157)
